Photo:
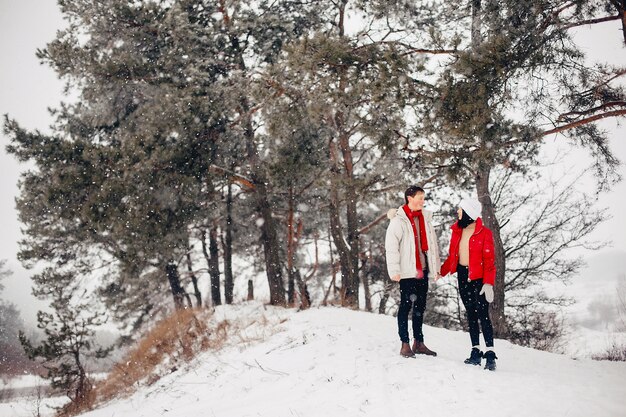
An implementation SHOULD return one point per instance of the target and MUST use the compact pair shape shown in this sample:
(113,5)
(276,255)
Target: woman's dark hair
(411,191)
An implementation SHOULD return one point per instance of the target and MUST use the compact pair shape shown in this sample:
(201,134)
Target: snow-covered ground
(334,361)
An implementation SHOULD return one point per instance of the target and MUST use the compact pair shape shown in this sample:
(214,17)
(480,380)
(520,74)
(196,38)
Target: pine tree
(69,334)
(354,86)
(515,67)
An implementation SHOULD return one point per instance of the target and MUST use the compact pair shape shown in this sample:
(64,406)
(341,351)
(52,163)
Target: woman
(471,256)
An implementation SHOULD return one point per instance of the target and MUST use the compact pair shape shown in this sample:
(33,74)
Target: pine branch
(605,106)
(581,122)
(592,21)
(246,182)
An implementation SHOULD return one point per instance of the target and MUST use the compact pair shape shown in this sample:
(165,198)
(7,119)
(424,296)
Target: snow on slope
(332,361)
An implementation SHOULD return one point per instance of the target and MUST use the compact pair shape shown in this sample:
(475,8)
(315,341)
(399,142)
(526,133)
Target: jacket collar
(399,212)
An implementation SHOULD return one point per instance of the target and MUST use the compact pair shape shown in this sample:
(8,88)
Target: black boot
(475,357)
(491,357)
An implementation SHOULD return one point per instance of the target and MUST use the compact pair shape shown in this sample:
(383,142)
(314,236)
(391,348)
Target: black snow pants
(476,307)
(412,295)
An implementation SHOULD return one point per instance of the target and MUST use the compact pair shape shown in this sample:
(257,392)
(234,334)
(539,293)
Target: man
(412,254)
(472,257)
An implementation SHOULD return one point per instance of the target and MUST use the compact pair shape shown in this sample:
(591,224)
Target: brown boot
(406,351)
(419,348)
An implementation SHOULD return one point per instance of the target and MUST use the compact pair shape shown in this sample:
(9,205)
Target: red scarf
(412,215)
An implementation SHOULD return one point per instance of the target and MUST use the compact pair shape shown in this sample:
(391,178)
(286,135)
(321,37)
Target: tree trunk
(476,24)
(349,294)
(382,306)
(348,250)
(333,281)
(489,218)
(271,247)
(214,267)
(211,256)
(229,282)
(250,290)
(270,242)
(488,210)
(194,279)
(366,285)
(171,270)
(305,297)
(291,249)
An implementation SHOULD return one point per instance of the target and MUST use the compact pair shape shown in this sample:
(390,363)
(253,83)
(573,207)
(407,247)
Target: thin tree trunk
(229,282)
(489,218)
(269,237)
(366,285)
(188,299)
(348,250)
(476,24)
(332,284)
(290,250)
(83,386)
(211,257)
(305,297)
(351,293)
(171,270)
(250,290)
(271,247)
(194,279)
(382,306)
(214,267)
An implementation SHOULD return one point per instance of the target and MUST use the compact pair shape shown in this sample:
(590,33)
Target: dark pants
(476,307)
(412,295)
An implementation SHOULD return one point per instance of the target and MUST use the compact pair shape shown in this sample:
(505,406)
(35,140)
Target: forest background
(304,129)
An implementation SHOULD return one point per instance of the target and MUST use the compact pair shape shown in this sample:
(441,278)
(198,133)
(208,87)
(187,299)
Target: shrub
(172,342)
(615,352)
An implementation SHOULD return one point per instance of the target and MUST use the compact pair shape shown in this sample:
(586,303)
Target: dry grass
(172,342)
(615,352)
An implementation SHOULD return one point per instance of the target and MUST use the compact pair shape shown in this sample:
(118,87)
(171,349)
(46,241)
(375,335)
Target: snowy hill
(332,361)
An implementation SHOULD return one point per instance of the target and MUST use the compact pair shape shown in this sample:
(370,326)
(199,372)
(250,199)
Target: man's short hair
(411,191)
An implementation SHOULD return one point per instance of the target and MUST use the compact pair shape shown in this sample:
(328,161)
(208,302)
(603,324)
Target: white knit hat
(472,207)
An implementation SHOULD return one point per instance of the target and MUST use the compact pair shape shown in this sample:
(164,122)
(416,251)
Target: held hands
(488,291)
(396,278)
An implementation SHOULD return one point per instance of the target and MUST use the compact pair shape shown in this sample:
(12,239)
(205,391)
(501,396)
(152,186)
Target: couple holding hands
(412,255)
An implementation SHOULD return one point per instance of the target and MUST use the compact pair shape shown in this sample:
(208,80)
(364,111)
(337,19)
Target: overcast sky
(28,88)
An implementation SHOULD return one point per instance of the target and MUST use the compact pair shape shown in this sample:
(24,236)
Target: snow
(335,361)
(28,407)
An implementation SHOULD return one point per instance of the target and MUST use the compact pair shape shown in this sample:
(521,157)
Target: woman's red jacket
(481,253)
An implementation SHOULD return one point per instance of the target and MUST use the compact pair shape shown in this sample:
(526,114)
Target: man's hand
(396,278)
(488,291)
